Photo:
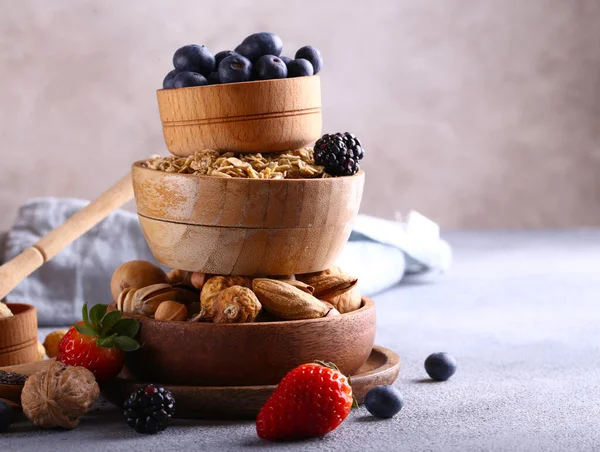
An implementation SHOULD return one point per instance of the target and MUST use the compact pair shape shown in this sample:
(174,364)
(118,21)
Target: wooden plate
(244,402)
(227,402)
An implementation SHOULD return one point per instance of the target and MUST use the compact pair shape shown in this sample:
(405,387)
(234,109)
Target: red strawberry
(311,400)
(99,342)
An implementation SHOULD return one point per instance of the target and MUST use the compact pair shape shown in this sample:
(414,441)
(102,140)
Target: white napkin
(379,253)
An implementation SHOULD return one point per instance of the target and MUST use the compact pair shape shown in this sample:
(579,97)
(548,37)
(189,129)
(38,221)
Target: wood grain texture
(245,226)
(244,402)
(18,336)
(17,269)
(249,353)
(261,116)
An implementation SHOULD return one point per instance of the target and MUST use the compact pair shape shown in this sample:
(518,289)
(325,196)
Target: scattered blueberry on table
(440,366)
(384,401)
(6,416)
(149,409)
(256,58)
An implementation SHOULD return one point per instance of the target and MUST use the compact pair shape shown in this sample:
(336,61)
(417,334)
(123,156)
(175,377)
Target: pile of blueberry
(256,58)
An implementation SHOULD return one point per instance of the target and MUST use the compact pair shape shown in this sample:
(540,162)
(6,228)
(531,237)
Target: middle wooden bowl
(247,354)
(245,226)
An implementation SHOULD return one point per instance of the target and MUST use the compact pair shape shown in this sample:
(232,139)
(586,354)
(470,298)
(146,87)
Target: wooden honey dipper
(32,258)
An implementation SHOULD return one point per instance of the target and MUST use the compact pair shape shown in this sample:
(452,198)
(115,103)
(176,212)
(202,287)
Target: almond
(286,301)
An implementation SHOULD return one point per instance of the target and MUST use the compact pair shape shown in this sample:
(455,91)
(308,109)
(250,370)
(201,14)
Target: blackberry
(149,409)
(339,153)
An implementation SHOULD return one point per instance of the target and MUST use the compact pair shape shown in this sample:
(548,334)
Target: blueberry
(194,58)
(384,401)
(285,59)
(213,78)
(268,67)
(168,81)
(313,55)
(6,416)
(235,68)
(187,79)
(299,68)
(440,366)
(221,56)
(259,44)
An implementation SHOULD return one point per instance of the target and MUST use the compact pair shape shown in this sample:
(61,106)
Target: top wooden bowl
(18,336)
(262,116)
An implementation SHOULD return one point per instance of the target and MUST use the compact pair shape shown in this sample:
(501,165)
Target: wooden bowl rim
(367,305)
(139,164)
(228,85)
(28,309)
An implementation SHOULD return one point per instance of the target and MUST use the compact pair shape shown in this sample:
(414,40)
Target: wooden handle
(17,269)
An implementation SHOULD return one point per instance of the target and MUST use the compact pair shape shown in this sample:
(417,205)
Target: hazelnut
(194,280)
(59,395)
(51,342)
(136,274)
(171,310)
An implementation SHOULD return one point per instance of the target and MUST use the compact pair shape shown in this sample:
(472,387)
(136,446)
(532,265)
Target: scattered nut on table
(59,395)
(51,342)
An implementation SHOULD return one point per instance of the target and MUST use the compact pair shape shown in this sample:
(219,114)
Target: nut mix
(197,297)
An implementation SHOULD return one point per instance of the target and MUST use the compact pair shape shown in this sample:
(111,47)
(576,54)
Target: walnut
(215,285)
(136,274)
(51,342)
(5,311)
(236,304)
(171,310)
(59,395)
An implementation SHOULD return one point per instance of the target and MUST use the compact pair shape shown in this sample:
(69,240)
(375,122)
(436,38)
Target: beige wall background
(476,113)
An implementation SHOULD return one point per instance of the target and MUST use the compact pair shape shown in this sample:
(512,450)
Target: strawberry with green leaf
(99,342)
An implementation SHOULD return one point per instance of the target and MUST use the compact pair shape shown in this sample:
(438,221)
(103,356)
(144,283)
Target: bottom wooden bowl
(18,336)
(247,354)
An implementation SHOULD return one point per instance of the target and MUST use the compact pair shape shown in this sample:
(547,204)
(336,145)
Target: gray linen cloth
(379,253)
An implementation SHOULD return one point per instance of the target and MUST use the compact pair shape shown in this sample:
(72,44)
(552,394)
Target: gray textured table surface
(520,311)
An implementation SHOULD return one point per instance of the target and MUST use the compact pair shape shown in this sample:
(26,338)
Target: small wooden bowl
(261,116)
(18,336)
(249,354)
(245,226)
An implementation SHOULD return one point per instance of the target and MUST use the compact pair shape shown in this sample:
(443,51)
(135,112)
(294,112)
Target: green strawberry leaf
(109,321)
(85,330)
(96,314)
(108,342)
(84,314)
(127,327)
(126,344)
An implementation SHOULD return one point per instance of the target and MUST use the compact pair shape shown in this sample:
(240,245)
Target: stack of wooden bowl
(240,226)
